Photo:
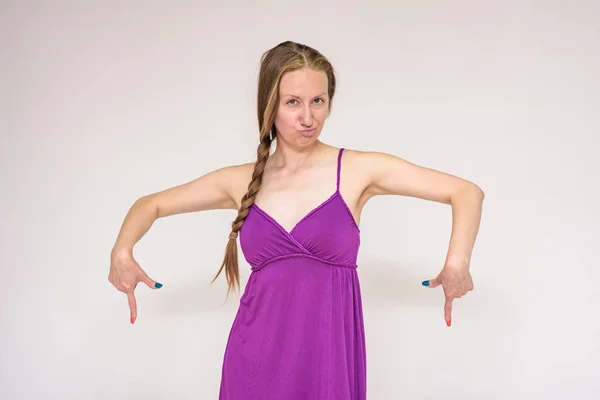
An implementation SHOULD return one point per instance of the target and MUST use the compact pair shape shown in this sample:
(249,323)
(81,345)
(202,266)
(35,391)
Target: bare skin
(298,176)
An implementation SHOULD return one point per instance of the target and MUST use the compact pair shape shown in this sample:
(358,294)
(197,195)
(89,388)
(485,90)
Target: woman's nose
(306,116)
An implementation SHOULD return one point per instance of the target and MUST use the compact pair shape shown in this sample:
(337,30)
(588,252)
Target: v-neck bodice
(328,232)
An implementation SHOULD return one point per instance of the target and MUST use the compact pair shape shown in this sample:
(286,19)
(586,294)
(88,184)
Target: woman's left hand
(456,282)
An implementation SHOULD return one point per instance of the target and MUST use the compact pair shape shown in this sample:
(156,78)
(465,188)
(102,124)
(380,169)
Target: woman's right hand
(125,273)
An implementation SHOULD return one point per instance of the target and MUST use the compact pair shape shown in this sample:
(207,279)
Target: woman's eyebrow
(293,95)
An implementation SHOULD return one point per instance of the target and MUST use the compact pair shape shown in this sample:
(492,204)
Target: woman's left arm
(387,174)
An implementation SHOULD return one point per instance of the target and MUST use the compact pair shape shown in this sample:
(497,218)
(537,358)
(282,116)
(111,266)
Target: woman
(298,332)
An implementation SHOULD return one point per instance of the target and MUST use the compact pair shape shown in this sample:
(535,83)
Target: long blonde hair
(285,57)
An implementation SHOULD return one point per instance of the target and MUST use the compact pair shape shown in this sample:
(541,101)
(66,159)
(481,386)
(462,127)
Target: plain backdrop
(102,102)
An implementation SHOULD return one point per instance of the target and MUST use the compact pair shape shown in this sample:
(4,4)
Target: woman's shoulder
(363,159)
(236,178)
(237,174)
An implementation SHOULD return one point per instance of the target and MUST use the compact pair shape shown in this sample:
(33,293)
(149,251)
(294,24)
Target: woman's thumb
(152,284)
(431,283)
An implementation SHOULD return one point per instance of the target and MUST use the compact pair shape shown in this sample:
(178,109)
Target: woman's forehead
(304,82)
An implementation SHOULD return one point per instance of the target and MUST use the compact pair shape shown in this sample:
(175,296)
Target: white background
(103,102)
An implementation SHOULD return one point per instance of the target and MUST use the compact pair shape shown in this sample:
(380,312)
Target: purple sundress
(298,333)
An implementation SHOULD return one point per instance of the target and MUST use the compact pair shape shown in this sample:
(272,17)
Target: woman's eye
(320,101)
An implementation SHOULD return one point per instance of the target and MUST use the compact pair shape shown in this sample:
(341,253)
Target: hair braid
(230,261)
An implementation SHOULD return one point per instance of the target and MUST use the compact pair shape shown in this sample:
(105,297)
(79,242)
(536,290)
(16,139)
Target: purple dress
(298,333)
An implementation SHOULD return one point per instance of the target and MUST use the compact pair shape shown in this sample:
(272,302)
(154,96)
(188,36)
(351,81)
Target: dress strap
(339,168)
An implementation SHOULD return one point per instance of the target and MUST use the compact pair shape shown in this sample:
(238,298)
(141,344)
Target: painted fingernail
(425,283)
(158,285)
(448,323)
(132,320)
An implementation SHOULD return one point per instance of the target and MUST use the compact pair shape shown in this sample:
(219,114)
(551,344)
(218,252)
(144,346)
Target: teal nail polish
(425,283)
(158,285)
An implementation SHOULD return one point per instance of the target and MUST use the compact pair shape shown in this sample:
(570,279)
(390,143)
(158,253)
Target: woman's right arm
(215,190)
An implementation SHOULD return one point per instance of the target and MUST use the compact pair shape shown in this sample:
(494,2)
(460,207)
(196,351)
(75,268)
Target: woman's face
(303,106)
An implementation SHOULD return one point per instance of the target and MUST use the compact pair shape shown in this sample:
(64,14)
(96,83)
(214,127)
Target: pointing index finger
(132,305)
(448,310)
